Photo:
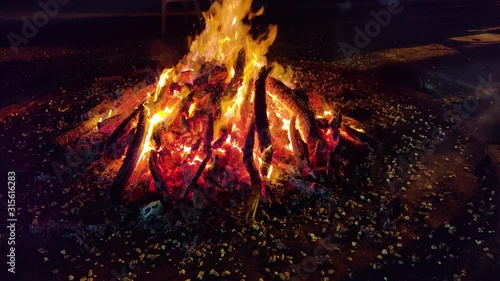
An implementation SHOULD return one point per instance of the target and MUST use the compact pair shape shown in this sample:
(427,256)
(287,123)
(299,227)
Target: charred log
(336,120)
(185,124)
(335,125)
(214,107)
(260,110)
(156,173)
(239,67)
(209,134)
(214,174)
(300,148)
(261,121)
(77,132)
(267,157)
(359,136)
(210,73)
(187,101)
(109,121)
(120,130)
(224,133)
(256,182)
(248,94)
(298,103)
(160,96)
(196,145)
(197,175)
(320,158)
(131,158)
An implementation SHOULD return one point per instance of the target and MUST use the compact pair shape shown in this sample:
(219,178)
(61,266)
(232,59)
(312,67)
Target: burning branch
(256,183)
(261,121)
(120,130)
(239,68)
(299,148)
(156,173)
(132,157)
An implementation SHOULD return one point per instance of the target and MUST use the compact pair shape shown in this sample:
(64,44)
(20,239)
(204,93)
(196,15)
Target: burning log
(165,91)
(109,122)
(198,174)
(216,174)
(187,102)
(248,94)
(336,122)
(120,130)
(77,132)
(267,157)
(160,96)
(211,73)
(320,158)
(256,183)
(98,111)
(209,134)
(224,134)
(335,125)
(300,148)
(131,159)
(261,122)
(298,103)
(156,173)
(239,67)
(260,110)
(196,145)
(208,138)
(358,136)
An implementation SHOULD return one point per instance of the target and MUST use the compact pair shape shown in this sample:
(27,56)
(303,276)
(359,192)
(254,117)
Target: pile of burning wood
(223,118)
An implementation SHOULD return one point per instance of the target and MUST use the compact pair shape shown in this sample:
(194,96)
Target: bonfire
(222,118)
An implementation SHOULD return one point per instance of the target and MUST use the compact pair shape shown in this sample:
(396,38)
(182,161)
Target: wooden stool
(186,13)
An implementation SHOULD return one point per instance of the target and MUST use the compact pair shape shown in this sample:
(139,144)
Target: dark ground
(441,220)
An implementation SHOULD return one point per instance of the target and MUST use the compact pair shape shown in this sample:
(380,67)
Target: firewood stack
(229,121)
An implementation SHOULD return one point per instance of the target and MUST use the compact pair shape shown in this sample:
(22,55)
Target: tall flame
(226,34)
